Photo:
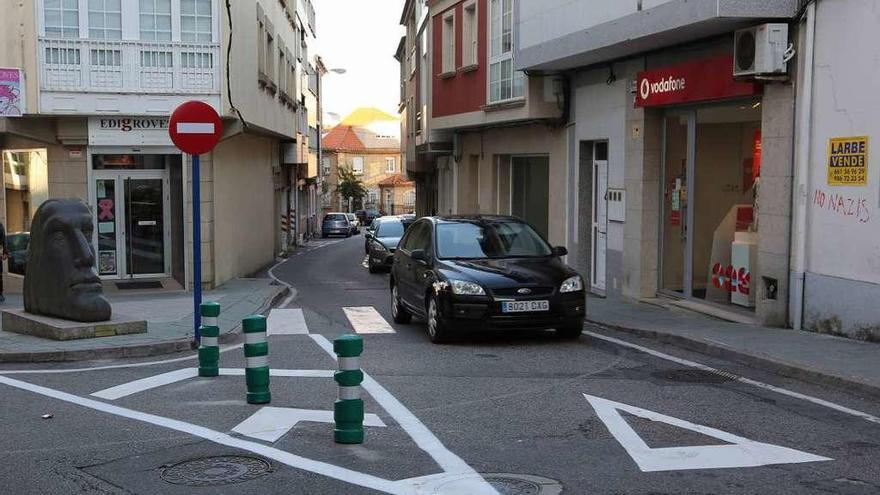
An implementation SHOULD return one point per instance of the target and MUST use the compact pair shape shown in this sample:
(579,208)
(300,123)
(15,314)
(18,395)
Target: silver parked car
(336,223)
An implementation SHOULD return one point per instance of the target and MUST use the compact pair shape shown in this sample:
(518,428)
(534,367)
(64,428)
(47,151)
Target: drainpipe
(801,177)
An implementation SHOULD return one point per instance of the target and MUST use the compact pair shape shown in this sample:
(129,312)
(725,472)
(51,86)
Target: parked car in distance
(335,223)
(475,273)
(381,241)
(354,222)
(367,216)
(17,245)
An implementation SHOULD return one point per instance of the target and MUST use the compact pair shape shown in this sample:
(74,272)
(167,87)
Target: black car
(367,216)
(17,245)
(474,273)
(381,241)
(335,223)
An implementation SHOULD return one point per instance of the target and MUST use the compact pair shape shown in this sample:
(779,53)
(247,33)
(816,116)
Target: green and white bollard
(348,411)
(256,353)
(209,350)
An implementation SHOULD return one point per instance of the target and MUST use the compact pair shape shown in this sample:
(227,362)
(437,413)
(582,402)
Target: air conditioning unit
(760,51)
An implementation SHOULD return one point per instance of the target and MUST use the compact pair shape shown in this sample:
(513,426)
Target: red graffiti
(106,207)
(845,206)
(731,279)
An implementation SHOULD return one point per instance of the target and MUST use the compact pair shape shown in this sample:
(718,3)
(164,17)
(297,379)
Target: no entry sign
(195,127)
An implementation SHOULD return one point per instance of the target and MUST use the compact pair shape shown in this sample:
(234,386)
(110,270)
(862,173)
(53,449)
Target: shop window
(128,162)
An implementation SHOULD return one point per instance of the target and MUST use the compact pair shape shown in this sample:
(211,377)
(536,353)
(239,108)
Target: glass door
(530,191)
(145,226)
(131,215)
(107,231)
(675,242)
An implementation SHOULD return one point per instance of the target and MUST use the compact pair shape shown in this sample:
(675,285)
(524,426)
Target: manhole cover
(522,484)
(696,376)
(220,470)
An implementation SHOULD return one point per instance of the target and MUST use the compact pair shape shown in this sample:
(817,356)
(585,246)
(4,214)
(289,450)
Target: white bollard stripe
(209,341)
(255,338)
(195,128)
(349,393)
(257,361)
(350,363)
(209,321)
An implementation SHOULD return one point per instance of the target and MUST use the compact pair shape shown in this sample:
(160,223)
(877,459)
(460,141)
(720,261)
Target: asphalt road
(585,417)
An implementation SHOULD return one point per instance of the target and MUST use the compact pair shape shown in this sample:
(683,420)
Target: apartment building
(743,191)
(497,138)
(96,81)
(375,160)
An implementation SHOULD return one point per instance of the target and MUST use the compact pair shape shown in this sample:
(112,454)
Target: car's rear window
(495,239)
(390,228)
(335,217)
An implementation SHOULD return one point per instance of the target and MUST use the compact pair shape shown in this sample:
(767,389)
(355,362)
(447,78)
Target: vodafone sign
(695,81)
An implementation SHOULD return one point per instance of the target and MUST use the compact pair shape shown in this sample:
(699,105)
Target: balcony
(76,75)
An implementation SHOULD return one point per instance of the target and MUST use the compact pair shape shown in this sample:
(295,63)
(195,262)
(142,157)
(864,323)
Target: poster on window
(106,262)
(12,92)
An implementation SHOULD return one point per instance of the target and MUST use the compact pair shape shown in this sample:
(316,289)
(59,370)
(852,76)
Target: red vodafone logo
(195,127)
(664,85)
(691,82)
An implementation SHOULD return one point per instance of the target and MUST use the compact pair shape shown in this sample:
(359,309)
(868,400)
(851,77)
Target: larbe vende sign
(691,82)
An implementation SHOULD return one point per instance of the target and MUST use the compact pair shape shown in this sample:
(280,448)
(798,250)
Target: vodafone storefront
(710,179)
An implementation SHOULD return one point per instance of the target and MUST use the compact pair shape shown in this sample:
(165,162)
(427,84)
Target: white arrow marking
(195,128)
(271,423)
(742,453)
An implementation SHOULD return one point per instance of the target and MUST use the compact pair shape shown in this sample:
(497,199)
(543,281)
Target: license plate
(524,306)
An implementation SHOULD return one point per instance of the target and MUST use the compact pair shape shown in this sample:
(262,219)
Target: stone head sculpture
(61,279)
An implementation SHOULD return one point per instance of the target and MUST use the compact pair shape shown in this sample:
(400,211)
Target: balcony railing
(99,66)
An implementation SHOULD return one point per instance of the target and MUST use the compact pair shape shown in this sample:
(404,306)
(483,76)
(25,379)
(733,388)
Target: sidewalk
(826,359)
(169,323)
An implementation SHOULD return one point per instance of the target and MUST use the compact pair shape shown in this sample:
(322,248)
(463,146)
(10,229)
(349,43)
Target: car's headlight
(573,284)
(463,288)
(378,246)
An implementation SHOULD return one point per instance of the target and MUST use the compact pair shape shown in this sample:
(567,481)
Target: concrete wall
(258,106)
(843,239)
(243,206)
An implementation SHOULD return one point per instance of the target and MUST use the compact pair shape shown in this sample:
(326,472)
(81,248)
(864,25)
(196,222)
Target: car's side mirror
(419,255)
(560,251)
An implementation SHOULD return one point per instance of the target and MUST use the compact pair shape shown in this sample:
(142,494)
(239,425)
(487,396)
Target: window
(156,59)
(196,60)
(357,165)
(105,19)
(417,237)
(62,56)
(195,21)
(504,82)
(469,35)
(282,68)
(390,165)
(61,18)
(270,50)
(106,57)
(155,20)
(261,45)
(491,239)
(325,166)
(449,42)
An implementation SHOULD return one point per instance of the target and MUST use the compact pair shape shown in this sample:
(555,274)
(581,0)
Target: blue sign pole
(197,247)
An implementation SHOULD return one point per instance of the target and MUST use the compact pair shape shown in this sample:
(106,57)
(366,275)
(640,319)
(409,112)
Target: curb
(755,360)
(231,336)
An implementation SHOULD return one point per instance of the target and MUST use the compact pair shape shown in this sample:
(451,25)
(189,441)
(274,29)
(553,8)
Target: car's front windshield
(390,228)
(489,239)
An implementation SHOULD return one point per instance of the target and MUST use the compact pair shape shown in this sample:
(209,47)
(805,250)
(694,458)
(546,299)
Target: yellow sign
(848,161)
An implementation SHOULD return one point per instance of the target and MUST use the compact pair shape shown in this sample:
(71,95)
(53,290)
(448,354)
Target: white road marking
(136,386)
(112,367)
(195,128)
(287,322)
(292,460)
(423,437)
(748,381)
(148,383)
(271,423)
(741,452)
(366,319)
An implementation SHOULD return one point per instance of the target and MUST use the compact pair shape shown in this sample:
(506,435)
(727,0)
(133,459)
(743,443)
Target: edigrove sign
(694,81)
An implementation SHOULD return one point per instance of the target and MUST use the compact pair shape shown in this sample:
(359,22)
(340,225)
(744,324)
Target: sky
(361,37)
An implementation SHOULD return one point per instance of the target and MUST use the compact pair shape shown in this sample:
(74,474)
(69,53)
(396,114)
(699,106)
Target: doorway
(599,220)
(132,214)
(530,191)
